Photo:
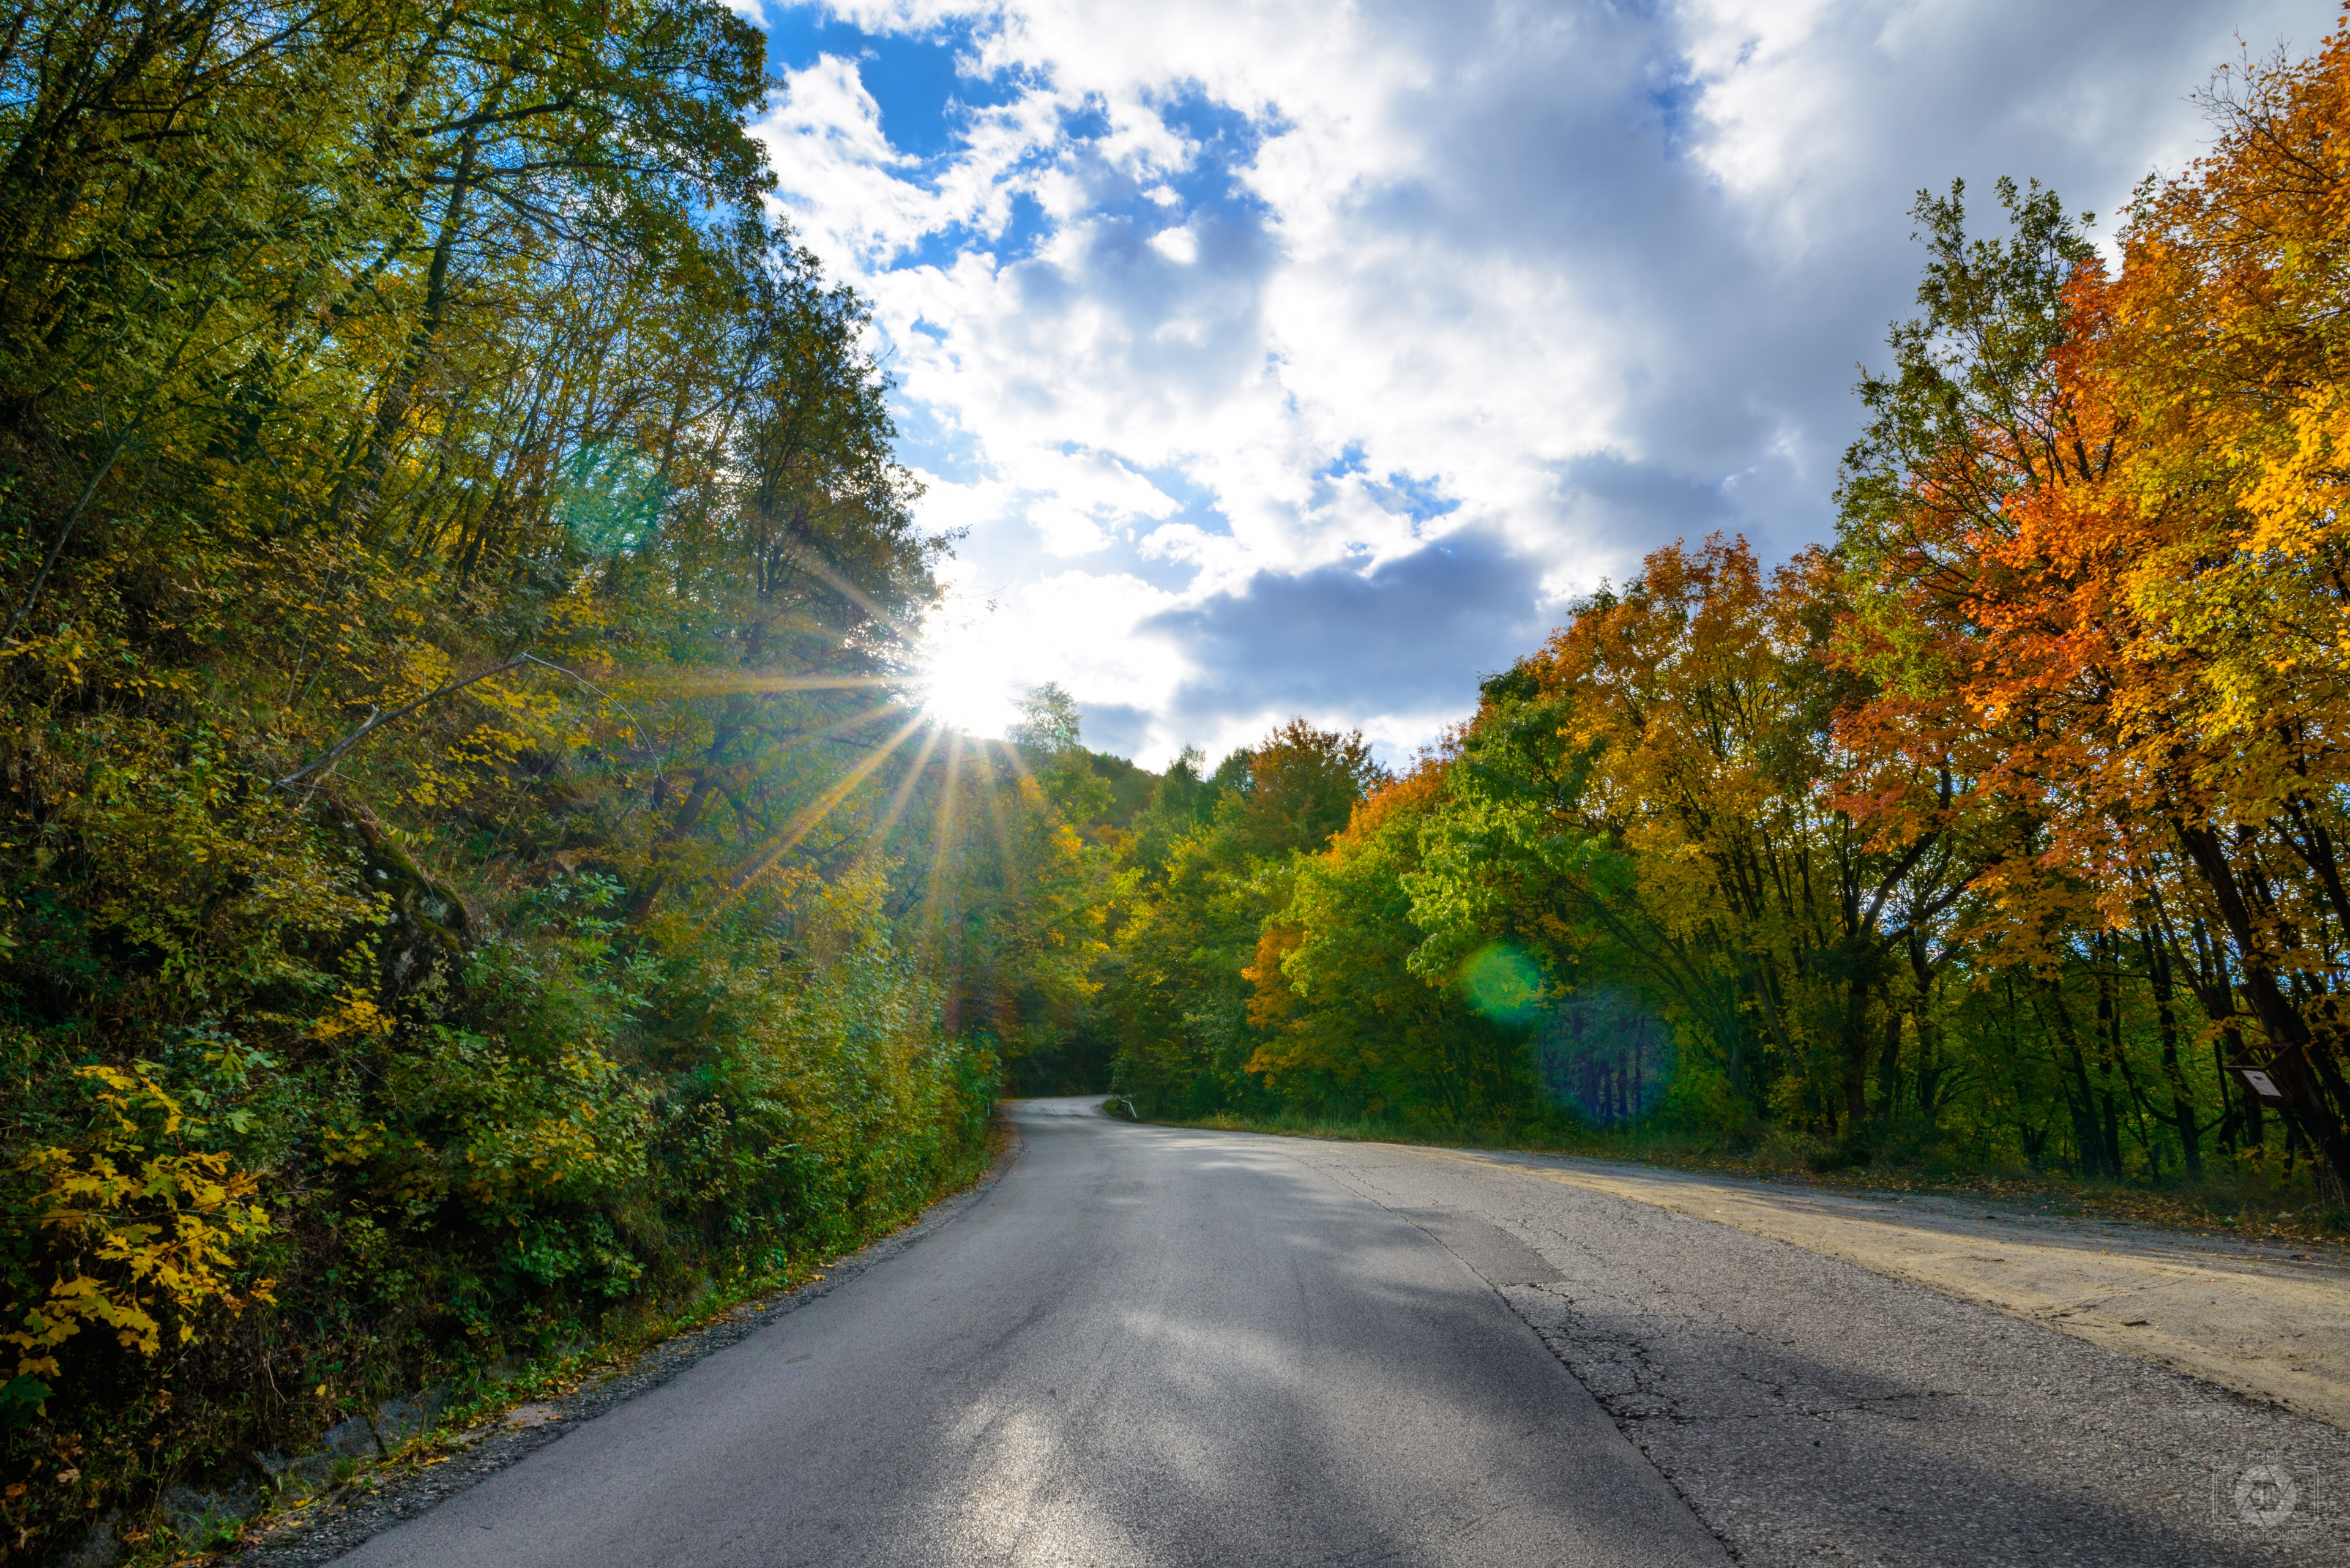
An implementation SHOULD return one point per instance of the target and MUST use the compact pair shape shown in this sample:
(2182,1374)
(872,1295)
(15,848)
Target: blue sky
(1283,358)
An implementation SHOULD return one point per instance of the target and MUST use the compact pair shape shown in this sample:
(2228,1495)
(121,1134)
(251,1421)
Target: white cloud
(1227,289)
(1180,245)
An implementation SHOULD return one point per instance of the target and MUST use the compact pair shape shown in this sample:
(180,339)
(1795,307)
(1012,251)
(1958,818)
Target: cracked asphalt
(1154,1346)
(1813,1412)
(2266,1318)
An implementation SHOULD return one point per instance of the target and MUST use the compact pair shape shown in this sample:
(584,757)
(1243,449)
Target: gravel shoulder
(2267,1320)
(1832,1380)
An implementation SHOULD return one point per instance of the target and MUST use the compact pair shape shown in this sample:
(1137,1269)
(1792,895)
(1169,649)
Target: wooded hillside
(467,875)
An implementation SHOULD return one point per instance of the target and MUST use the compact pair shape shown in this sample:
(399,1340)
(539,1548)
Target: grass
(2233,1198)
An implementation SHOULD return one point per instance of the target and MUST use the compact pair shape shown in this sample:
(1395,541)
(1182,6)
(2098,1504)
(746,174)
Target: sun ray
(809,816)
(994,797)
(1019,763)
(847,721)
(880,832)
(723,683)
(945,823)
(906,632)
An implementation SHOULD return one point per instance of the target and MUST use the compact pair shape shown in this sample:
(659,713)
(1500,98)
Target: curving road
(1153,1346)
(1140,1347)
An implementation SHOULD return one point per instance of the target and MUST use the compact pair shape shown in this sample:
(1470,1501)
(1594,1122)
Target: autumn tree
(1349,1026)
(1175,982)
(2093,508)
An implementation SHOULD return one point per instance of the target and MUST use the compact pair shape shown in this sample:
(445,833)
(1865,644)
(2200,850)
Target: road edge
(405,1489)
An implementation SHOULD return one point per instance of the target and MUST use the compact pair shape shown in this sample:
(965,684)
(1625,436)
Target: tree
(1174,984)
(1348,1025)
(1303,782)
(1049,724)
(2103,576)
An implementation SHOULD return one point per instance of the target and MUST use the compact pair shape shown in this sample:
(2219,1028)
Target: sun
(965,690)
(963,658)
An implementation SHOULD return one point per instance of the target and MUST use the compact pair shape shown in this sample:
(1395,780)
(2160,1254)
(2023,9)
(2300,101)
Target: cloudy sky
(1299,357)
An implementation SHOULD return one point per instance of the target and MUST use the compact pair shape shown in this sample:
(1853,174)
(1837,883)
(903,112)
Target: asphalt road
(1141,1346)
(1816,1412)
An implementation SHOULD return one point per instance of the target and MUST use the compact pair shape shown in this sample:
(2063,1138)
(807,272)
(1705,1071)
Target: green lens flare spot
(1503,983)
(611,499)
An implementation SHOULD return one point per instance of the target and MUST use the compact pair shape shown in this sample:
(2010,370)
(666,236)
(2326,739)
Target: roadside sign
(2261,1085)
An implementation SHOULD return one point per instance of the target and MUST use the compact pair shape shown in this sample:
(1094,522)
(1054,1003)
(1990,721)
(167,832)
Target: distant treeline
(465,875)
(2004,831)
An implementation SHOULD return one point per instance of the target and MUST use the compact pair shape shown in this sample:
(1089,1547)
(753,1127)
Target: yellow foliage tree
(148,1231)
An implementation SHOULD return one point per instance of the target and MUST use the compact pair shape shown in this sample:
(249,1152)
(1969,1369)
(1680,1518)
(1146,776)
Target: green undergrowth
(2245,1201)
(478,1398)
(569,1150)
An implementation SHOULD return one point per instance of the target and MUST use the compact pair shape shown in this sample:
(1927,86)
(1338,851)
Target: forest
(2002,832)
(475,873)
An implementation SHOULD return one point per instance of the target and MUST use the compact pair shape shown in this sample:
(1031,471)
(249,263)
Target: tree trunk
(2291,1042)
(707,778)
(2182,1103)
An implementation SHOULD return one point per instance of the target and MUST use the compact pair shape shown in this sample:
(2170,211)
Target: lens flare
(1503,983)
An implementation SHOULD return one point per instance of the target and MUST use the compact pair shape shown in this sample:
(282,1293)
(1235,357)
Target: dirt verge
(2270,1318)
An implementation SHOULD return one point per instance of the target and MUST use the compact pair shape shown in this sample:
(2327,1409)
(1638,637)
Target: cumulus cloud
(1220,320)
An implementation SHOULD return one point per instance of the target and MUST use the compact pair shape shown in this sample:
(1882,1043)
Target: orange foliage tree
(2095,521)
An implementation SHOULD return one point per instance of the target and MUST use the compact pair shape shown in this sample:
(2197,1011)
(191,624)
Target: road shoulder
(2271,1321)
(1812,1408)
